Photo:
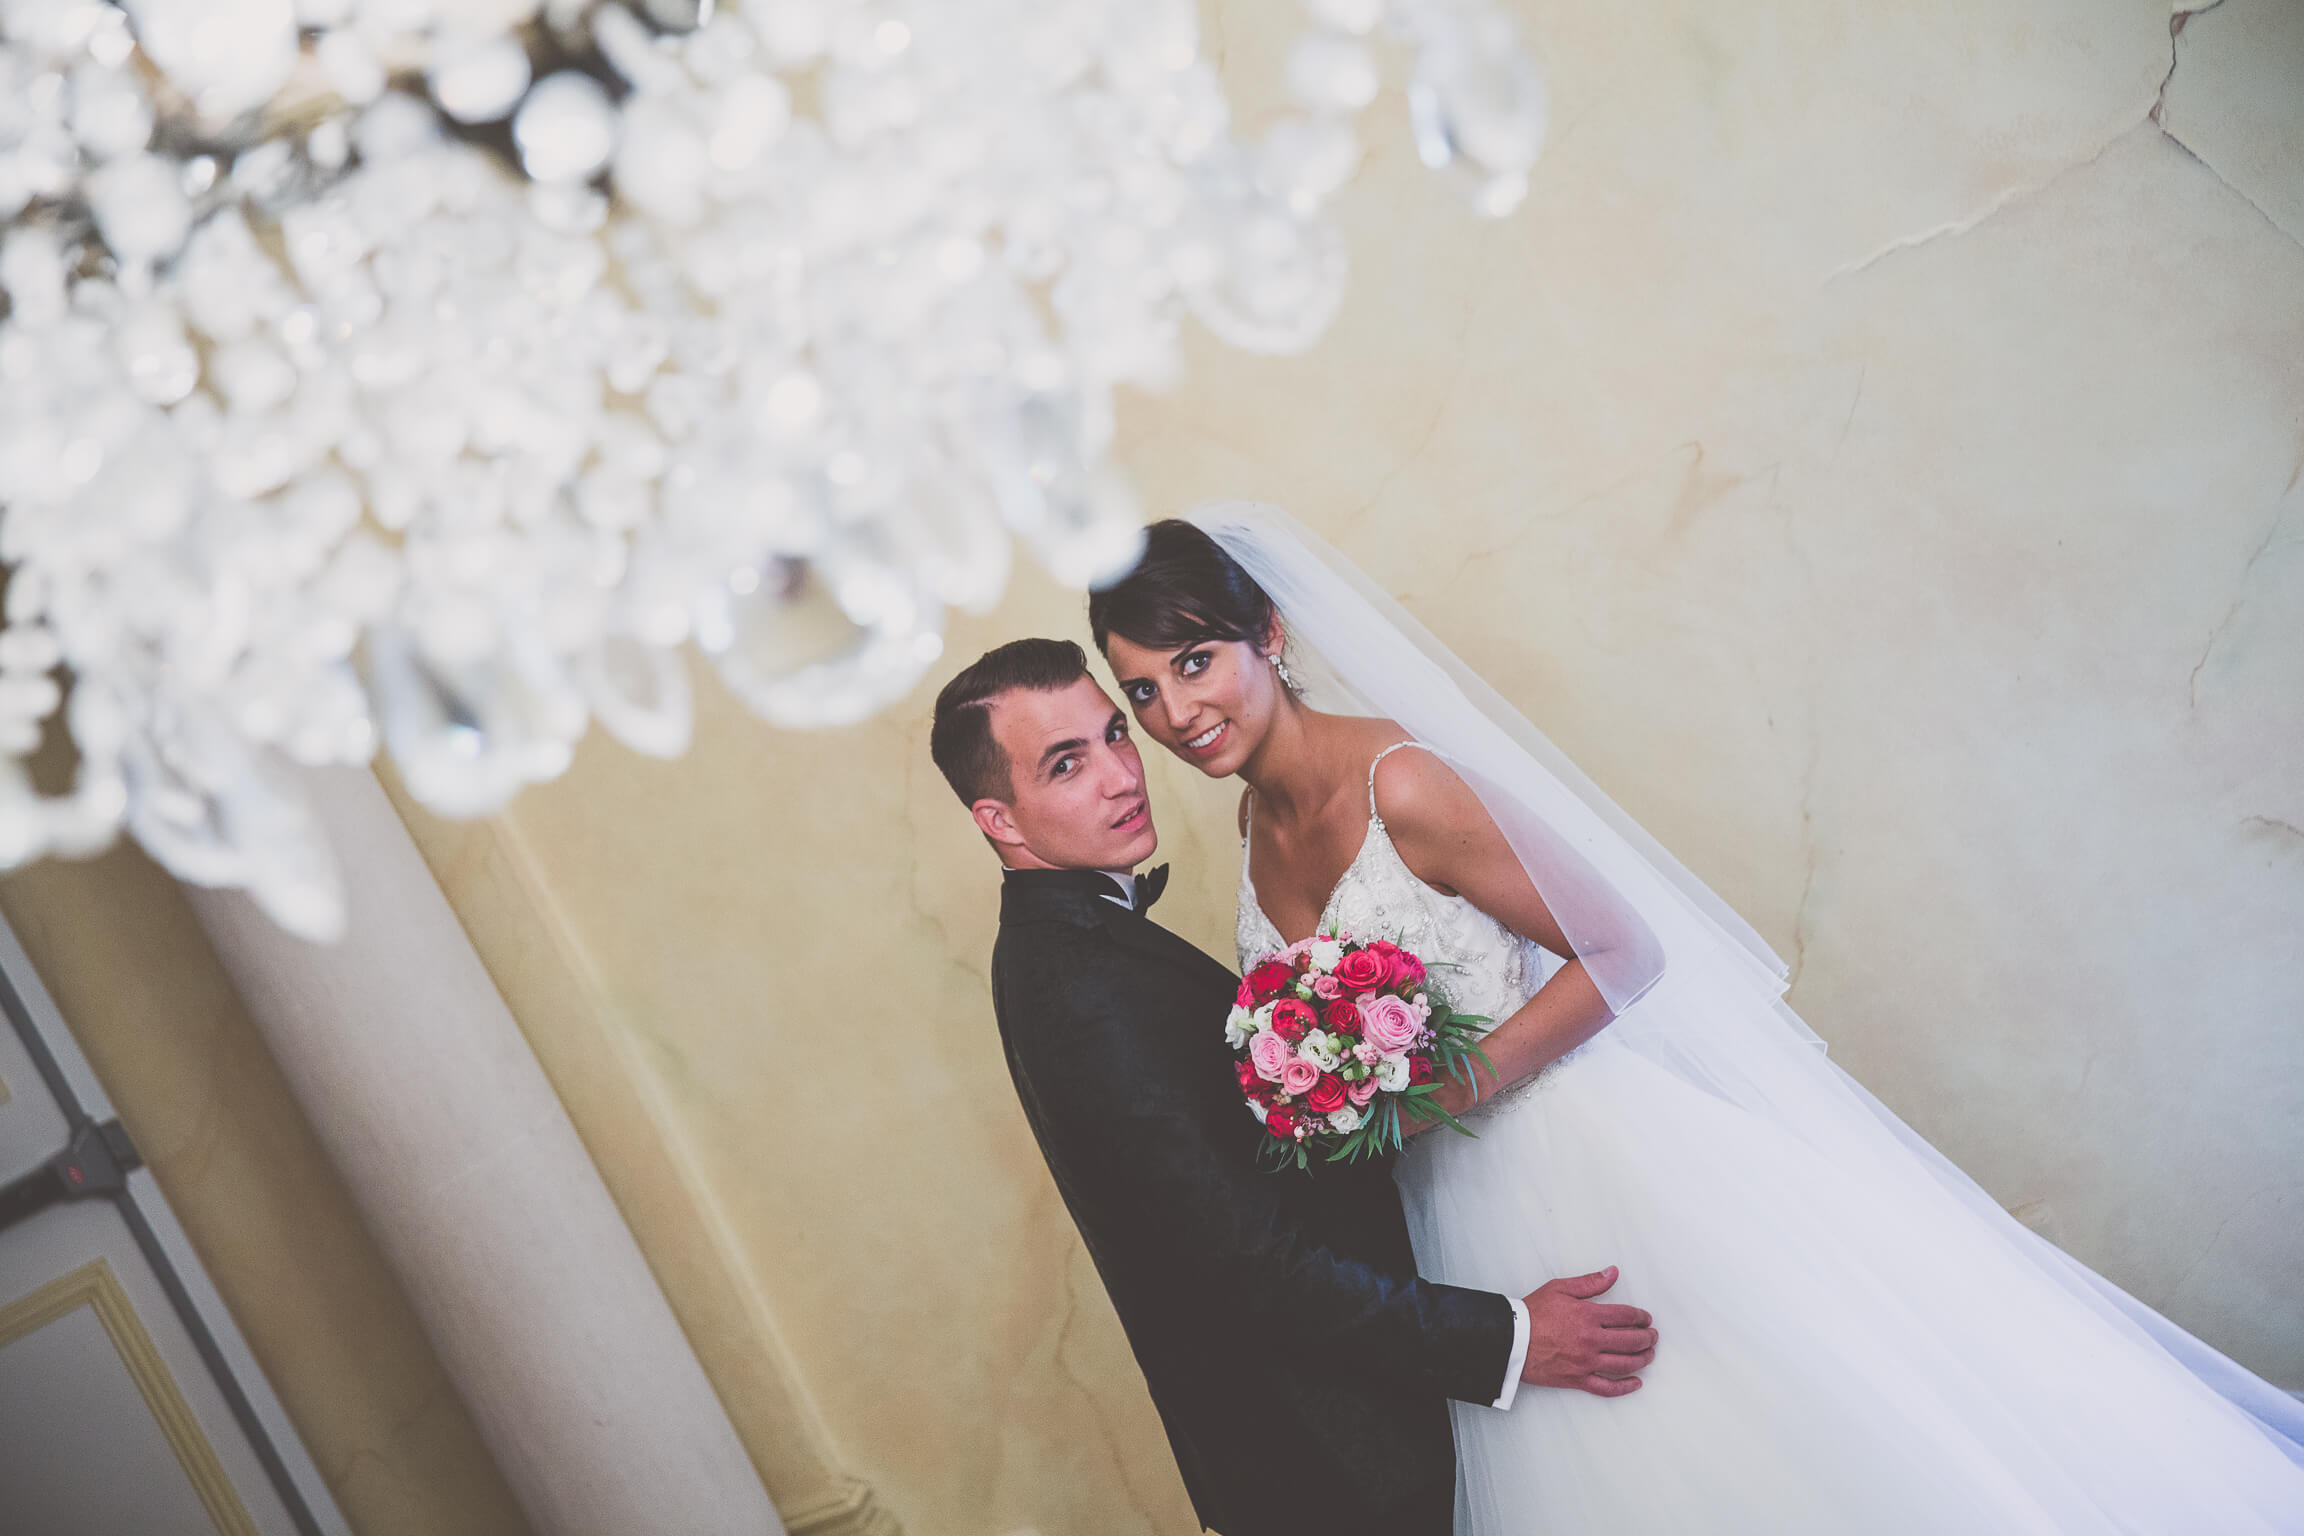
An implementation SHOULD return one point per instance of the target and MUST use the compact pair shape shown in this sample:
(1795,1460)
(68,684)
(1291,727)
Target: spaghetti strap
(1387,752)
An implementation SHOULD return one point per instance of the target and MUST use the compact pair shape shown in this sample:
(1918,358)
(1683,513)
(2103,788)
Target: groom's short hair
(961,739)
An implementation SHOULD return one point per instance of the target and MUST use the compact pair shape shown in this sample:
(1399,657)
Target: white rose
(1264,1015)
(1325,953)
(1392,1073)
(1239,1024)
(1319,1048)
(1344,1121)
(1258,1110)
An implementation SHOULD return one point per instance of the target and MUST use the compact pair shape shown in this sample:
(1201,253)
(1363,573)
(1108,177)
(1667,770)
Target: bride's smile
(1209,700)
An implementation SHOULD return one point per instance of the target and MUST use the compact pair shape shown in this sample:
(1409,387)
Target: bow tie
(1149,886)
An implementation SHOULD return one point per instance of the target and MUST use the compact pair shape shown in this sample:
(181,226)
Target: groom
(1300,1366)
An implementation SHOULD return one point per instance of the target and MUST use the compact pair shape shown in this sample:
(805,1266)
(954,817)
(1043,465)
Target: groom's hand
(1576,1342)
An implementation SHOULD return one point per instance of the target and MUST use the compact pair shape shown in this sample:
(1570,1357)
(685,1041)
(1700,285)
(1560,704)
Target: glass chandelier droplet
(818,642)
(372,374)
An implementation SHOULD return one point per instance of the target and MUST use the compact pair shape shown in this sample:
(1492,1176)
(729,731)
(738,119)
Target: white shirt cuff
(1519,1354)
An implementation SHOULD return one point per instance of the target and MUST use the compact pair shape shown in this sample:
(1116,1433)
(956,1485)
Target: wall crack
(2239,599)
(2158,116)
(2008,198)
(2155,115)
(2177,22)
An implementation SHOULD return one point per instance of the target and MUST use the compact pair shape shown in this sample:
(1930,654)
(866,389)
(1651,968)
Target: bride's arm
(1447,839)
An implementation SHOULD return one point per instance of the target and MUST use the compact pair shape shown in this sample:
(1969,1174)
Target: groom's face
(1077,797)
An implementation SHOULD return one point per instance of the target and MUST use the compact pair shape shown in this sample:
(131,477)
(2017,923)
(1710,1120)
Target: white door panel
(129,1405)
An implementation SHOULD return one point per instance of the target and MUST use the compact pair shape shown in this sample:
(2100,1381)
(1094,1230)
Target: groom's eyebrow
(1058,749)
(1078,743)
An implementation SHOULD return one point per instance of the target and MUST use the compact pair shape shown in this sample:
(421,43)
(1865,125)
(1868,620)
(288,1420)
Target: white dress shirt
(1519,1356)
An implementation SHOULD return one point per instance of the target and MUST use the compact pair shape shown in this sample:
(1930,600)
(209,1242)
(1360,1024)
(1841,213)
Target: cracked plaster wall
(1872,452)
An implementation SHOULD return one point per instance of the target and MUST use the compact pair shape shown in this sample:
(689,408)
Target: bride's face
(1208,703)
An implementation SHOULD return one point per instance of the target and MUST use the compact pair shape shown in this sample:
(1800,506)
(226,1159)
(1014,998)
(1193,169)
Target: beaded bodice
(1478,964)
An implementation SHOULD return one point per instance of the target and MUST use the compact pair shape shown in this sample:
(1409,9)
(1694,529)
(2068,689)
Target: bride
(1855,1338)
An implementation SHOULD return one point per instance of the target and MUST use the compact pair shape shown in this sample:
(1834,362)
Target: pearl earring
(1287,678)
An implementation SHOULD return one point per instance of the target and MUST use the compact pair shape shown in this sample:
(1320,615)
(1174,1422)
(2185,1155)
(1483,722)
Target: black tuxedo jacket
(1300,1366)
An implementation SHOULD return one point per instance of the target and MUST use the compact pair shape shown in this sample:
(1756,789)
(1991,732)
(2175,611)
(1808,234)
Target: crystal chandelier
(393,372)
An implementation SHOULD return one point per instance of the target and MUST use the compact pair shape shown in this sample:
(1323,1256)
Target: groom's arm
(1113,1108)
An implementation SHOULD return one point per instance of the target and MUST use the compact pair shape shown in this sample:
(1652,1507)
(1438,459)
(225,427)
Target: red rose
(1246,1072)
(1267,982)
(1419,1068)
(1293,1019)
(1344,1017)
(1401,969)
(1245,997)
(1281,1122)
(1325,1095)
(1362,969)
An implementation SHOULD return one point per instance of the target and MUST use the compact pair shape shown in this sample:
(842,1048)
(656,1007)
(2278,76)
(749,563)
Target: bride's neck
(1294,769)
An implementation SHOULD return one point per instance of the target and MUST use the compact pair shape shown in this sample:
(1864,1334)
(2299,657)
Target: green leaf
(1419,1103)
(1451,1121)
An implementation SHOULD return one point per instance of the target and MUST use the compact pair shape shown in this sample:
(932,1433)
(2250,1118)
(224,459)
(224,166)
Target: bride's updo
(1184,591)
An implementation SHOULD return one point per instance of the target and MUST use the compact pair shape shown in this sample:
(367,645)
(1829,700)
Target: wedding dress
(1855,1337)
(1840,1351)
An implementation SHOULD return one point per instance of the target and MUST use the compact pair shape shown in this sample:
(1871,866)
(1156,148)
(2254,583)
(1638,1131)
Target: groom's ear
(997,822)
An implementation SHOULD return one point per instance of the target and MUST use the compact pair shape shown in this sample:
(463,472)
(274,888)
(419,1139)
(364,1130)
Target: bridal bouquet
(1336,1040)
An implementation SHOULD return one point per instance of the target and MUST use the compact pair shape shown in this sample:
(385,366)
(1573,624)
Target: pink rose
(1362,970)
(1361,1092)
(1298,1075)
(1327,986)
(1268,1053)
(1389,1024)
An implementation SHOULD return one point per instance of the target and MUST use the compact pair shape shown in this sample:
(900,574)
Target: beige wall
(118,948)
(1872,452)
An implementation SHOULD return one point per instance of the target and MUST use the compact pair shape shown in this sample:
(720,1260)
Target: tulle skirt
(1844,1349)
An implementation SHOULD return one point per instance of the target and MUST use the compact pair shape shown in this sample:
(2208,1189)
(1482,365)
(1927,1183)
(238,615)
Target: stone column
(468,1171)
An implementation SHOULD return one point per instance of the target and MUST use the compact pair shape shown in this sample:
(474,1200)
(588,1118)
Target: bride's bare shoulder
(1419,795)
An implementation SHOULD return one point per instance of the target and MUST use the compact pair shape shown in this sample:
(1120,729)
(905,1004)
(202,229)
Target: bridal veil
(1694,988)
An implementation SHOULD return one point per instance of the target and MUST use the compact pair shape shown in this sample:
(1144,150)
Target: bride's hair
(1185,590)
